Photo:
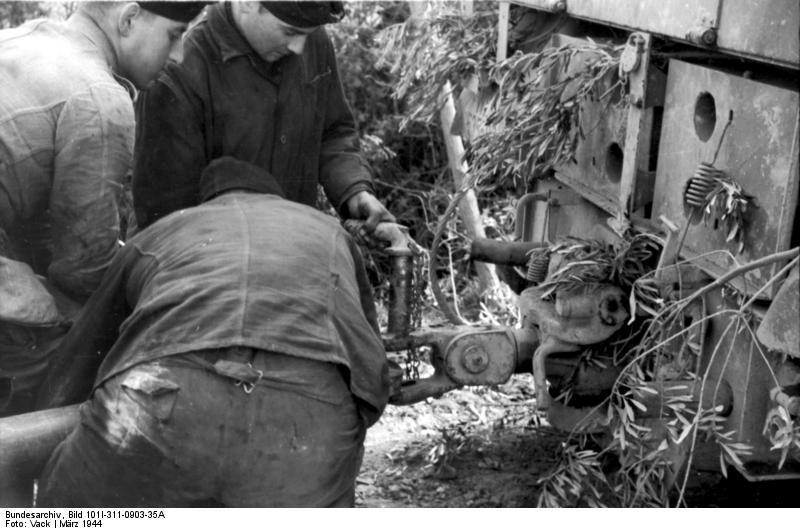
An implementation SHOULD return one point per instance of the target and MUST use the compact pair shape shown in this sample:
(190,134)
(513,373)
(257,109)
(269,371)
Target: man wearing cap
(258,82)
(243,364)
(66,144)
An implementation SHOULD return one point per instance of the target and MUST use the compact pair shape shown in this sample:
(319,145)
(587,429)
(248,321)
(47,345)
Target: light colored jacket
(66,144)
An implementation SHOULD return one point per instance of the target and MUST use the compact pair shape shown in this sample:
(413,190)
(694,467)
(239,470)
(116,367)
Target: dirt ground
(488,447)
(475,447)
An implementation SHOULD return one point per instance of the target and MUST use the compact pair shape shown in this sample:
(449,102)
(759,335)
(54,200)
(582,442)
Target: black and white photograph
(388,254)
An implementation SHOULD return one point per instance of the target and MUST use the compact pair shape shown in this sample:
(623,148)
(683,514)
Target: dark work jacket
(289,118)
(243,269)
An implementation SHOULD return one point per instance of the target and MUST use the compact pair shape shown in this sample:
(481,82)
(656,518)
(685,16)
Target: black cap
(228,173)
(304,14)
(179,11)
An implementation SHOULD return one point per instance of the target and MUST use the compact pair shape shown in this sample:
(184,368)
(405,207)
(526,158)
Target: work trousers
(236,427)
(25,354)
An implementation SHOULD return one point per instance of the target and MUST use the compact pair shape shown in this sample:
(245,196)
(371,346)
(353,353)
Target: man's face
(271,38)
(144,50)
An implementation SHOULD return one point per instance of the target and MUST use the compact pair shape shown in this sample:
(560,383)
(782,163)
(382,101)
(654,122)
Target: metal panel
(759,152)
(610,166)
(761,29)
(597,169)
(666,17)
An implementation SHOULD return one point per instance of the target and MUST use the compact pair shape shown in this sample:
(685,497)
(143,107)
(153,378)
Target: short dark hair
(304,14)
(178,11)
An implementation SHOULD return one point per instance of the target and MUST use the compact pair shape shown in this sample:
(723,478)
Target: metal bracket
(463,355)
(634,66)
(631,56)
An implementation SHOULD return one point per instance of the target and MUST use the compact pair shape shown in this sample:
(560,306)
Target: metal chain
(412,355)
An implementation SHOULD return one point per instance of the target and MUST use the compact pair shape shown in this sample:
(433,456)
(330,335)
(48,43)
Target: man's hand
(395,379)
(364,206)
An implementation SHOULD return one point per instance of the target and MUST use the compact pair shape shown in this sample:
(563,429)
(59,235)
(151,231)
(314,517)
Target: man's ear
(126,16)
(251,8)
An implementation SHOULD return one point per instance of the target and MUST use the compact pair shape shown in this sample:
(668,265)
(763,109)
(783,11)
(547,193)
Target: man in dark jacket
(258,82)
(244,360)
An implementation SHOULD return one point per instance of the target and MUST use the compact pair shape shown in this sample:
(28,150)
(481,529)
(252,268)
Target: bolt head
(709,37)
(475,360)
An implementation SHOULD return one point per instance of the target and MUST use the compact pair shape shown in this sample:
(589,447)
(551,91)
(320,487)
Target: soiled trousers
(25,354)
(175,433)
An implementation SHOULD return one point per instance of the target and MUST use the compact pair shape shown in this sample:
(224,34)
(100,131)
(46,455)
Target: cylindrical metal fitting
(702,36)
(475,360)
(538,266)
(502,252)
(400,294)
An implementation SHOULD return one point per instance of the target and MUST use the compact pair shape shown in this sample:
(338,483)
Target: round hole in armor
(705,116)
(614,157)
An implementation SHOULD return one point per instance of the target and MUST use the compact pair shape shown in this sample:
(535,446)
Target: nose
(297,43)
(176,51)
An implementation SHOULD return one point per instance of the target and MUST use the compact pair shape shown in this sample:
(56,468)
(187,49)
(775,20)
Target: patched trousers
(236,427)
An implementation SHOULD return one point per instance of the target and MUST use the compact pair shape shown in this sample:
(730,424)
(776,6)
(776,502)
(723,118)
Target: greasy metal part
(526,340)
(401,249)
(602,312)
(538,265)
(502,252)
(759,151)
(463,355)
(703,36)
(27,440)
(486,357)
(549,346)
(779,330)
(599,312)
(437,340)
(525,210)
(400,295)
(554,197)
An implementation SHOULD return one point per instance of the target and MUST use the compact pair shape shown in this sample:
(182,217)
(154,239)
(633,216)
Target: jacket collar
(230,41)
(232,44)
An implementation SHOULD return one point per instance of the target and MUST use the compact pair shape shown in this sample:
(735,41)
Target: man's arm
(73,365)
(344,173)
(93,148)
(170,150)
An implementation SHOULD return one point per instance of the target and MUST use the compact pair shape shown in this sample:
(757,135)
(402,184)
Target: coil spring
(537,266)
(701,184)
